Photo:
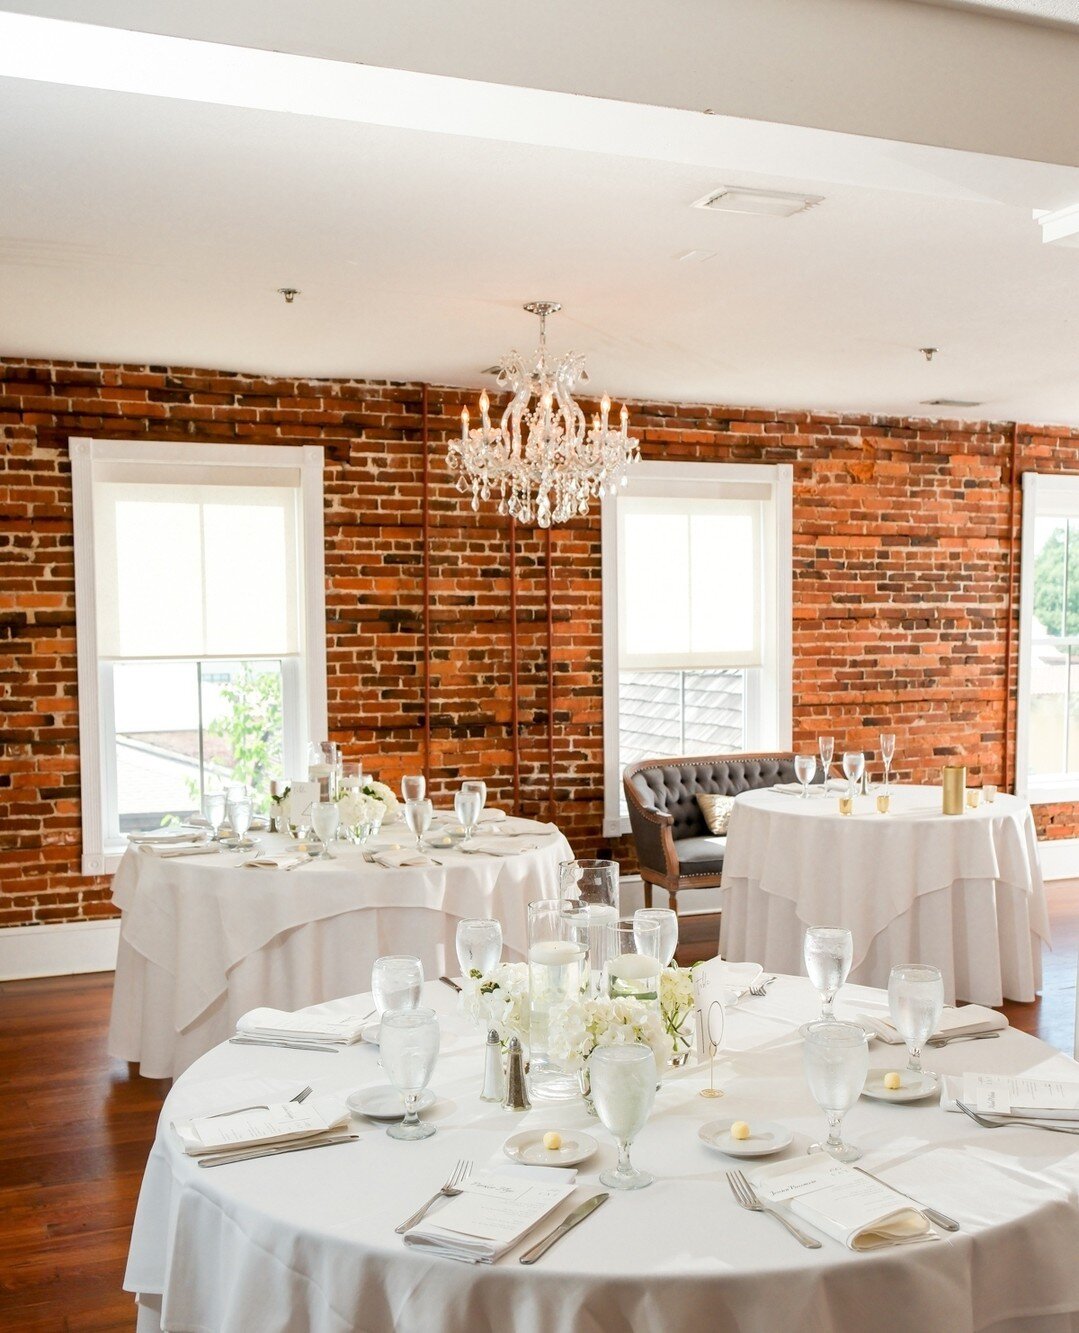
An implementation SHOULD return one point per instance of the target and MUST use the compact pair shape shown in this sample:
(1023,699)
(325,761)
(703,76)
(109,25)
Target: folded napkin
(858,1211)
(971,1018)
(184,849)
(279,1123)
(1015,1099)
(793,788)
(493,1212)
(280,862)
(500,846)
(167,837)
(331,1029)
(398,860)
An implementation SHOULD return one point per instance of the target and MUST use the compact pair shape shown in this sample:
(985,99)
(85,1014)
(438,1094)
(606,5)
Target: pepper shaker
(516,1098)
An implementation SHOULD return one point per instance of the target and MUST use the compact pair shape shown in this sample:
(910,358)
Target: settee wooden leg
(647,893)
(672,901)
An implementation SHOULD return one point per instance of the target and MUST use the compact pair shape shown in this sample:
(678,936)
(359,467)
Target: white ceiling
(138,227)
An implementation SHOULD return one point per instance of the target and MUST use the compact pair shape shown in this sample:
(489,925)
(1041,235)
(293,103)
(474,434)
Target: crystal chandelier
(543,459)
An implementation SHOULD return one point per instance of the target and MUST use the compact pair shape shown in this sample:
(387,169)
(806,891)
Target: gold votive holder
(846,805)
(884,802)
(974,798)
(990,793)
(954,784)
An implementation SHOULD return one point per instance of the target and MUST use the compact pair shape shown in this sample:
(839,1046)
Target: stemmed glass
(836,1063)
(887,753)
(325,819)
(915,1002)
(853,768)
(480,788)
(828,952)
(826,746)
(408,1048)
(213,807)
(239,817)
(623,1087)
(396,982)
(805,770)
(479,947)
(667,921)
(413,788)
(418,816)
(467,805)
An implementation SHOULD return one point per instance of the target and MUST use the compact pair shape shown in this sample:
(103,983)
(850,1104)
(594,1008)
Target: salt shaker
(516,1098)
(494,1077)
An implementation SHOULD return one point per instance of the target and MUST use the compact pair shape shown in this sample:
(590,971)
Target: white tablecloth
(963,892)
(203,939)
(306,1241)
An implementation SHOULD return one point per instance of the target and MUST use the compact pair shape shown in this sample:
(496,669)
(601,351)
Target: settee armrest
(652,832)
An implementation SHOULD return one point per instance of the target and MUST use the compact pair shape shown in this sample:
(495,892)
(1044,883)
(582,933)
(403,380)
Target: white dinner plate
(765,1137)
(371,1031)
(912,1087)
(384,1102)
(527,1148)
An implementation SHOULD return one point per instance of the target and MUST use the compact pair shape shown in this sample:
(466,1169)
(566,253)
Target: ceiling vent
(769,203)
(950,402)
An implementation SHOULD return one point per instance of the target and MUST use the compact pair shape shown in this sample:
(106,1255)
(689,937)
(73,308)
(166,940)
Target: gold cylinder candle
(883,802)
(954,782)
(846,805)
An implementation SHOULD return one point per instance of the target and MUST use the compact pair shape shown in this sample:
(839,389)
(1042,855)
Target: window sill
(1054,793)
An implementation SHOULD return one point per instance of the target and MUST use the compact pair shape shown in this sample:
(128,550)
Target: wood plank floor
(74,1148)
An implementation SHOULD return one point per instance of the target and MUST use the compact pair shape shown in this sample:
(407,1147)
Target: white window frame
(94,676)
(1040,490)
(706,479)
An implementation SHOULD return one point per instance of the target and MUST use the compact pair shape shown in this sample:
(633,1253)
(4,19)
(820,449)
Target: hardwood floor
(74,1142)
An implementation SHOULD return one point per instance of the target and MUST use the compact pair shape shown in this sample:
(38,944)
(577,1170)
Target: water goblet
(828,953)
(467,806)
(826,747)
(408,1048)
(887,753)
(853,768)
(396,982)
(623,1088)
(418,816)
(213,807)
(805,770)
(633,960)
(915,1002)
(667,921)
(479,787)
(836,1062)
(325,818)
(479,947)
(239,817)
(413,788)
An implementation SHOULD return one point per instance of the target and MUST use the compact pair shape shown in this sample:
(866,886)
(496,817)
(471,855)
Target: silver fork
(301,1096)
(760,986)
(937,1042)
(450,1190)
(747,1198)
(1012,1121)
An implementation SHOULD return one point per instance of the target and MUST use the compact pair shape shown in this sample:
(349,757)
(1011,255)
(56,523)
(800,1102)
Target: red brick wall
(901,541)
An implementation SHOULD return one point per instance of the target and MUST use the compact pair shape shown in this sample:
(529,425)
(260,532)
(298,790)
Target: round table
(204,939)
(963,892)
(305,1241)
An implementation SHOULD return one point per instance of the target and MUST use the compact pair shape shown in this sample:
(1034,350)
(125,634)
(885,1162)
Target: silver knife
(273,1150)
(282,1045)
(578,1215)
(941,1219)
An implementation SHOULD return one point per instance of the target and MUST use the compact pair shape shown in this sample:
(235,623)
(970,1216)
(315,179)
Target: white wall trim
(1059,858)
(58,951)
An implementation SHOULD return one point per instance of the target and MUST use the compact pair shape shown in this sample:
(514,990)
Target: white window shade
(199,567)
(689,583)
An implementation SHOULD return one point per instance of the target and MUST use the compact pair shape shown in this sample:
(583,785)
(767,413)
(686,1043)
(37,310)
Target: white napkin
(397,860)
(337,1029)
(964,1021)
(167,837)
(793,788)
(279,1123)
(280,862)
(186,849)
(493,1212)
(500,846)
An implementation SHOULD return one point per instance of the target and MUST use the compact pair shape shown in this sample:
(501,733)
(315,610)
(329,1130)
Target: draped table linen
(962,892)
(305,1243)
(204,939)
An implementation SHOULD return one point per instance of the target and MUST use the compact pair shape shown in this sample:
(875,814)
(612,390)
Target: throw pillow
(716,810)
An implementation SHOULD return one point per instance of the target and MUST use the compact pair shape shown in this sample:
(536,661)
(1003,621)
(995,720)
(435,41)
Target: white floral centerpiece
(676,1008)
(577,1029)
(366,807)
(499,1000)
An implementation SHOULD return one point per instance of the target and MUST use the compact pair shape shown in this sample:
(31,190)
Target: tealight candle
(974,798)
(990,792)
(846,805)
(884,802)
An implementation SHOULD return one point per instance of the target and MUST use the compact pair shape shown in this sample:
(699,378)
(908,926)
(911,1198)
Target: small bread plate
(371,1031)
(912,1087)
(384,1102)
(527,1148)
(765,1137)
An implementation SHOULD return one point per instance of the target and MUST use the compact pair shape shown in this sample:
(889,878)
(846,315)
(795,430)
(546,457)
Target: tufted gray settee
(675,850)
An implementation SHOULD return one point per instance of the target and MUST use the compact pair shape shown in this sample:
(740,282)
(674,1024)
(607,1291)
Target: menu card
(272,1124)
(493,1212)
(333,1030)
(860,1212)
(954,1022)
(1031,1098)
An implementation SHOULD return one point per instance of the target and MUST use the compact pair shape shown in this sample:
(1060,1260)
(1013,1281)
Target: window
(697,616)
(1047,717)
(201,626)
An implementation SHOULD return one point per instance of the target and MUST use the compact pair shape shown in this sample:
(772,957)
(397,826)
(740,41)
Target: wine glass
(828,952)
(413,788)
(853,768)
(418,816)
(826,746)
(805,770)
(325,819)
(633,960)
(667,921)
(408,1048)
(836,1063)
(239,817)
(467,806)
(887,753)
(479,787)
(479,947)
(915,1002)
(396,982)
(623,1087)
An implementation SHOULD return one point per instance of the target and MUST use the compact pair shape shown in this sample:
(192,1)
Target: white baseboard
(58,951)
(1059,858)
